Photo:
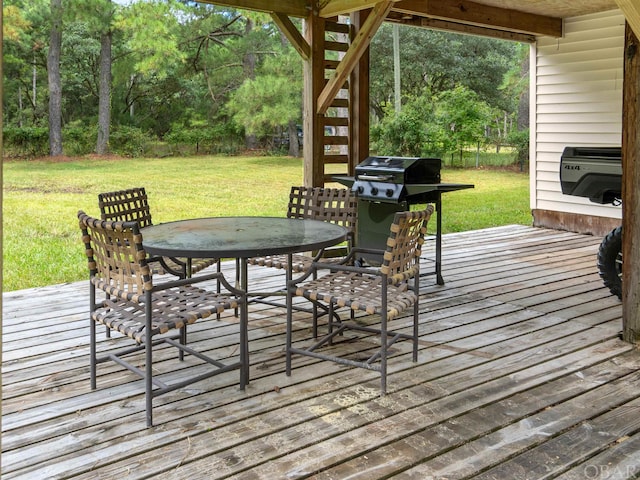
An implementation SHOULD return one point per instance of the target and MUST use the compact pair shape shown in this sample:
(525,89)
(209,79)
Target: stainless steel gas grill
(386,185)
(385,179)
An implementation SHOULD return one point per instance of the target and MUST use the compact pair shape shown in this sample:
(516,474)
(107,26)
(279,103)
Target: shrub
(129,141)
(520,141)
(206,140)
(79,140)
(404,133)
(26,141)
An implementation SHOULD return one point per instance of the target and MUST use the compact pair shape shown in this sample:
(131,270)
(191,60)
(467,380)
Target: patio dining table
(240,238)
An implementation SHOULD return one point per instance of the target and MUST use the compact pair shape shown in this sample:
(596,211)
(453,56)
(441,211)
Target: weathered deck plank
(520,370)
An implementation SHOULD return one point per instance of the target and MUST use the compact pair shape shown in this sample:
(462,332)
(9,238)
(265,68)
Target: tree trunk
(249,65)
(55,82)
(294,146)
(20,107)
(34,83)
(523,100)
(104,101)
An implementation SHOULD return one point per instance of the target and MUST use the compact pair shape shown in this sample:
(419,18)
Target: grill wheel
(610,261)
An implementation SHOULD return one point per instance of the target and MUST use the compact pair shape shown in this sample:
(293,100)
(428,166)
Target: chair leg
(415,331)
(416,312)
(314,308)
(148,352)
(107,329)
(244,343)
(183,341)
(92,335)
(330,324)
(92,353)
(383,340)
(238,282)
(289,328)
(148,380)
(315,319)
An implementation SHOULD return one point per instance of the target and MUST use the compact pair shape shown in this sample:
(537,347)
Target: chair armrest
(199,279)
(349,268)
(404,276)
(333,267)
(112,291)
(352,256)
(178,273)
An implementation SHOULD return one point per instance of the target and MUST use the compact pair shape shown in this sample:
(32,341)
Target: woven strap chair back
(117,260)
(129,205)
(404,245)
(335,205)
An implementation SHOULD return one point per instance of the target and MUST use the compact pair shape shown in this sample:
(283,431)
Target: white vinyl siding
(577,101)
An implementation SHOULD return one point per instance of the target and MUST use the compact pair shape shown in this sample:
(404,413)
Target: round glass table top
(239,237)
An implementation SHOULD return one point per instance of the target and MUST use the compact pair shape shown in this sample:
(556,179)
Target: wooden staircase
(336,121)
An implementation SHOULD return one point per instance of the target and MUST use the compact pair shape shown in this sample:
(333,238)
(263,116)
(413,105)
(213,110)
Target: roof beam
(358,46)
(293,8)
(332,8)
(464,29)
(631,10)
(470,13)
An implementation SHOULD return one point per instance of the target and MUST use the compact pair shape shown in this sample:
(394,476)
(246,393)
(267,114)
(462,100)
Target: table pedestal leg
(439,279)
(244,320)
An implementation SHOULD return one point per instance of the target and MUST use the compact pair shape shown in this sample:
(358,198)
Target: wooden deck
(521,375)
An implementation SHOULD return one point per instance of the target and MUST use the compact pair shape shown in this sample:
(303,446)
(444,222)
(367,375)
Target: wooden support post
(359,102)
(314,33)
(630,190)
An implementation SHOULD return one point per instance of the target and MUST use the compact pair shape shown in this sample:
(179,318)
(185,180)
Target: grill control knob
(374,190)
(360,189)
(389,192)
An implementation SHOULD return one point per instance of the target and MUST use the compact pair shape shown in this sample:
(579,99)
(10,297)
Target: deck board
(521,374)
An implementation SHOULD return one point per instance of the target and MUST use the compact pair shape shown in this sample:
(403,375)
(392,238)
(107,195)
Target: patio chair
(147,313)
(335,205)
(133,205)
(385,292)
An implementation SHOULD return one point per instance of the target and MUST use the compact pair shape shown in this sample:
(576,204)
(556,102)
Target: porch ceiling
(549,8)
(521,17)
(553,8)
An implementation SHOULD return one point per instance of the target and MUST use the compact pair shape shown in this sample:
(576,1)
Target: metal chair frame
(147,313)
(386,292)
(133,205)
(335,205)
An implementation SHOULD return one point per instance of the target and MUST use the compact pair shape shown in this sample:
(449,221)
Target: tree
(98,14)
(104,104)
(405,133)
(55,83)
(272,99)
(461,118)
(439,61)
(151,61)
(15,28)
(178,65)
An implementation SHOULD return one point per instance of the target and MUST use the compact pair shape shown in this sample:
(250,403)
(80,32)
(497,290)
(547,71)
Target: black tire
(610,261)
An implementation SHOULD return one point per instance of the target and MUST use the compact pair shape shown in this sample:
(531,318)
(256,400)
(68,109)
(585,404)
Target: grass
(41,239)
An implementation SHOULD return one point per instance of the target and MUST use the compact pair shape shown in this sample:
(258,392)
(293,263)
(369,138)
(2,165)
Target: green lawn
(41,239)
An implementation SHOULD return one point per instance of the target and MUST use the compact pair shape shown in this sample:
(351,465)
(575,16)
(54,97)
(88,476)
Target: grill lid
(384,178)
(400,169)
